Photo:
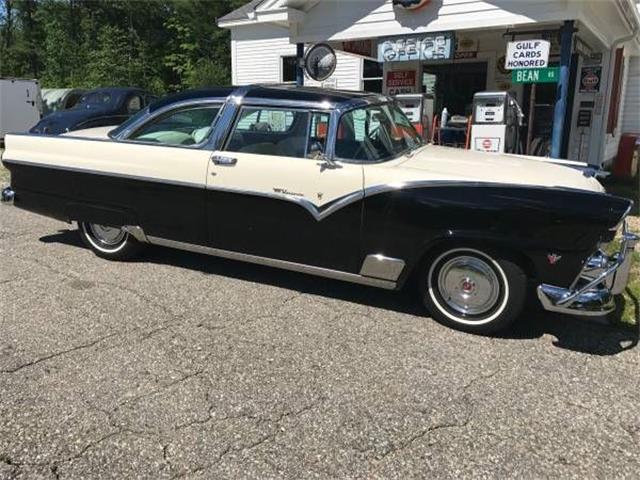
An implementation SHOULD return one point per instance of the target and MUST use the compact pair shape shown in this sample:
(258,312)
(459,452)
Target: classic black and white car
(336,184)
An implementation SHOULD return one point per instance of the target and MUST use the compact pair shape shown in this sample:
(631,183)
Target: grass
(630,190)
(4,173)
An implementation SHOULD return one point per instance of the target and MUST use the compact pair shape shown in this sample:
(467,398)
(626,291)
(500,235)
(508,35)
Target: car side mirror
(316,151)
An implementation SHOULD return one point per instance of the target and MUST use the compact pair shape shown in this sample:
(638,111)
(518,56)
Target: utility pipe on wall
(299,60)
(566,42)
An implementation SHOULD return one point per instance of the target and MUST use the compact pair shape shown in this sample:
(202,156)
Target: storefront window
(372,76)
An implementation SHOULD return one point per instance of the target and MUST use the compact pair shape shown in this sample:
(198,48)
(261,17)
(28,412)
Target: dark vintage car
(95,108)
(336,184)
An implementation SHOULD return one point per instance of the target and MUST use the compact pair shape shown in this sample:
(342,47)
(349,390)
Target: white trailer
(20,105)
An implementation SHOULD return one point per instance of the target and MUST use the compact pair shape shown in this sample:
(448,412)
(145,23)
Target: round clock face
(320,62)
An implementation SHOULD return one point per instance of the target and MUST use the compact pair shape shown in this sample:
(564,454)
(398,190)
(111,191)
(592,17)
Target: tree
(164,45)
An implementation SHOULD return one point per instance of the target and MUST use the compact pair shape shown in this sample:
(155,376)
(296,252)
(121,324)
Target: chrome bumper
(7,195)
(592,292)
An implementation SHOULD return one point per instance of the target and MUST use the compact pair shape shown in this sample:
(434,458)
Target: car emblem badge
(319,195)
(553,258)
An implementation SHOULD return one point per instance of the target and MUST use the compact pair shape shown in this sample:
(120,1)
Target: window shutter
(616,86)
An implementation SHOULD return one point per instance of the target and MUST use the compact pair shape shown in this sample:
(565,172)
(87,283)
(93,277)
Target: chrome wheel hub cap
(107,235)
(468,285)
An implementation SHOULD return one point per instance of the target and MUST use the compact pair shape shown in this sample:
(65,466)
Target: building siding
(629,107)
(330,20)
(256,53)
(631,104)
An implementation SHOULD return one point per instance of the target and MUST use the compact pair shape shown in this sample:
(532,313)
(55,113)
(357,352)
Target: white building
(604,82)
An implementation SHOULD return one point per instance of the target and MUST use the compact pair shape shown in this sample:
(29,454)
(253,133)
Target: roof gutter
(628,12)
(285,15)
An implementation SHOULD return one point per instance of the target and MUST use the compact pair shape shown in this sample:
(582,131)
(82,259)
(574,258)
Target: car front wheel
(112,243)
(473,290)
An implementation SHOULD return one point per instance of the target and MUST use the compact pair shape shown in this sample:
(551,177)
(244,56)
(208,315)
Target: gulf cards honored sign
(527,54)
(426,46)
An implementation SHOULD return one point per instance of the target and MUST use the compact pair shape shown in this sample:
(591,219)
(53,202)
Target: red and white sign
(401,81)
(359,47)
(487,144)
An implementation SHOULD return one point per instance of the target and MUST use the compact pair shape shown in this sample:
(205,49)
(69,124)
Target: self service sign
(527,54)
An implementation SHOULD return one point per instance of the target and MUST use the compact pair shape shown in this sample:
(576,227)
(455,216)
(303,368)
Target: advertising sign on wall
(401,81)
(527,54)
(590,79)
(427,46)
(358,47)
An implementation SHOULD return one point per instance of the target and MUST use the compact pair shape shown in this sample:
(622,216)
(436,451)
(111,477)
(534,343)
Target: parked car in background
(96,108)
(55,99)
(20,105)
(336,184)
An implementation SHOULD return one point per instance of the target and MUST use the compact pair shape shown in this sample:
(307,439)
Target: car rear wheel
(473,290)
(113,243)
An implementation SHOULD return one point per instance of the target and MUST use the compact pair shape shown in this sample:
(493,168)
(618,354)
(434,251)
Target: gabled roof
(278,12)
(241,13)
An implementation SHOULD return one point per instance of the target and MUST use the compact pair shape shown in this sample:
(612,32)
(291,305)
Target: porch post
(299,70)
(566,40)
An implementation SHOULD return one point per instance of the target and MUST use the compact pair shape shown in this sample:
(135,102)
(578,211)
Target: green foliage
(160,45)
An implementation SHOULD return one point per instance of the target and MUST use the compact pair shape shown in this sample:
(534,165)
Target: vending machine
(497,118)
(418,107)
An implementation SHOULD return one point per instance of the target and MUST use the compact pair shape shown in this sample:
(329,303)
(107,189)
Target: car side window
(318,131)
(186,126)
(376,133)
(134,104)
(280,132)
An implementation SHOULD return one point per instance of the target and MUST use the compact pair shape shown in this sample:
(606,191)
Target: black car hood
(61,122)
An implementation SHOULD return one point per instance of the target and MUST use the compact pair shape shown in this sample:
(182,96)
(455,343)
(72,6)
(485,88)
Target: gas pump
(418,107)
(497,118)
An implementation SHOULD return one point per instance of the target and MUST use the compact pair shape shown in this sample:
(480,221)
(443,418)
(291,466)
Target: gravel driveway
(182,365)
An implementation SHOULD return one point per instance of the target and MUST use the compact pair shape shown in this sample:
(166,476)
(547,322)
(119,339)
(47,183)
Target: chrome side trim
(272,262)
(379,266)
(136,232)
(319,213)
(105,173)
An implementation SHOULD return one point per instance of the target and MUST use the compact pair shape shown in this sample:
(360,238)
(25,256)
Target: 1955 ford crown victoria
(336,184)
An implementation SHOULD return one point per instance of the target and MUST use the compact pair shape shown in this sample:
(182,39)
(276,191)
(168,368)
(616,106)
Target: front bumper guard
(602,277)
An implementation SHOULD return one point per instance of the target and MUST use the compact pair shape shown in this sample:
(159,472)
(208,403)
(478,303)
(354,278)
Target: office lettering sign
(427,46)
(527,54)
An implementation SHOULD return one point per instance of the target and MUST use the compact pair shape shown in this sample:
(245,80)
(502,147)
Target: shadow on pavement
(572,333)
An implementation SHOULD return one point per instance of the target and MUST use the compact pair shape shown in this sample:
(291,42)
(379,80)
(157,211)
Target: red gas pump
(418,107)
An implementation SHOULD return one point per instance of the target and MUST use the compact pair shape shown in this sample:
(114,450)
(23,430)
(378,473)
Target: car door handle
(225,161)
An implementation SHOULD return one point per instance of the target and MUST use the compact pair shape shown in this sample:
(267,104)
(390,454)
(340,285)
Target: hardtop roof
(268,92)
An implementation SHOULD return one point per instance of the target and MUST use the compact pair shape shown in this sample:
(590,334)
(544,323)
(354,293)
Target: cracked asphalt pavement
(186,366)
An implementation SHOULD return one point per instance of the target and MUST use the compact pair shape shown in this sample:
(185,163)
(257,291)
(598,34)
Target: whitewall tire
(473,290)
(113,243)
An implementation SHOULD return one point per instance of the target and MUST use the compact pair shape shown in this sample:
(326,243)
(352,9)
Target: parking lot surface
(181,365)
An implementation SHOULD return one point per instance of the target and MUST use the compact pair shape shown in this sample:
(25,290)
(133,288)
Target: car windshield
(375,133)
(93,98)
